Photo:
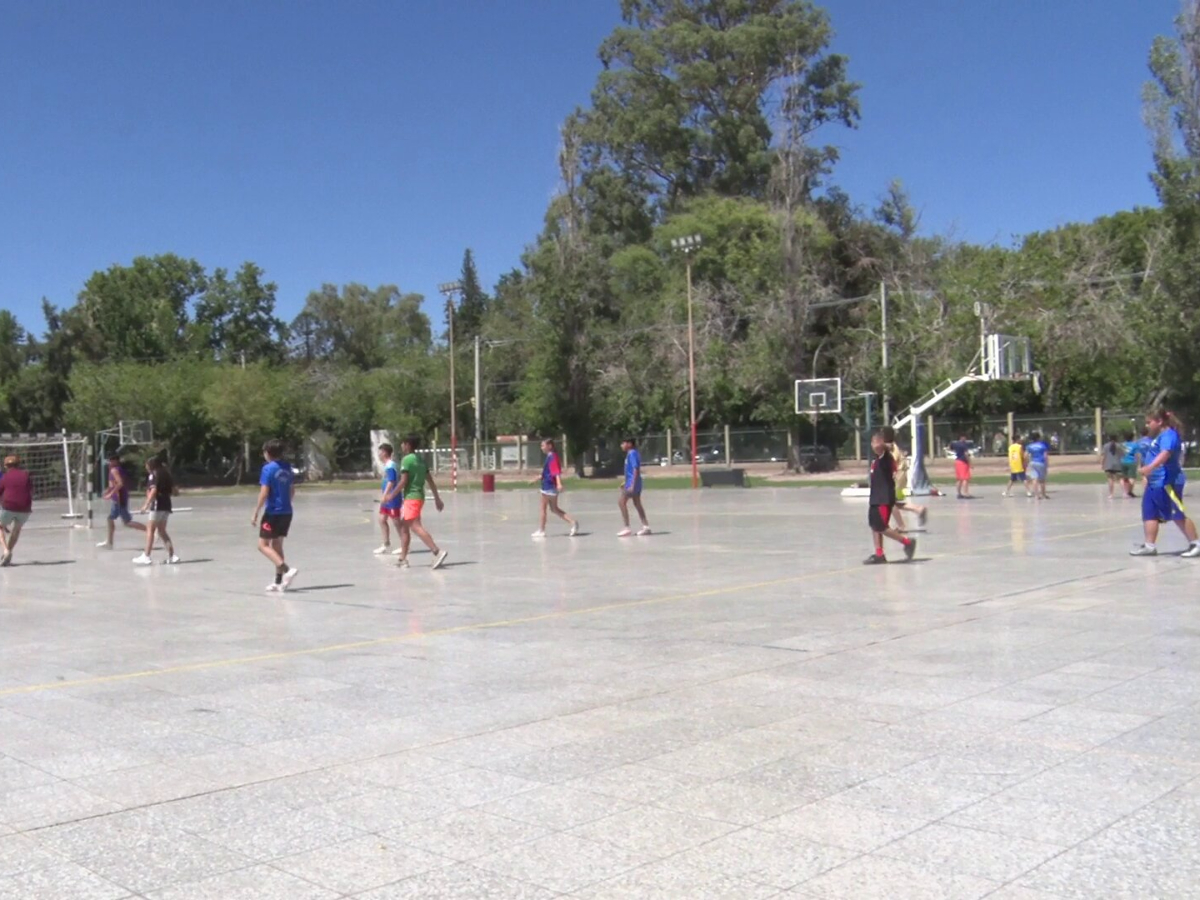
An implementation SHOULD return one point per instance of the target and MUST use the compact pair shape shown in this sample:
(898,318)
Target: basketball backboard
(1007,356)
(131,433)
(818,395)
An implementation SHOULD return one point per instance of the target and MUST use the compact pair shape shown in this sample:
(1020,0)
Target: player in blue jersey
(631,489)
(277,488)
(1129,463)
(1038,452)
(1165,481)
(391,498)
(551,486)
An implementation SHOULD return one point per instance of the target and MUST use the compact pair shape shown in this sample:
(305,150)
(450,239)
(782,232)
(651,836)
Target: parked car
(815,458)
(710,453)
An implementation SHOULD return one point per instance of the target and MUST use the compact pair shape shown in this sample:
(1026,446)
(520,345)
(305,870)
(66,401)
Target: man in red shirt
(16,503)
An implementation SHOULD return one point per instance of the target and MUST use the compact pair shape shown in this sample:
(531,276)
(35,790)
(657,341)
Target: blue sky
(373,141)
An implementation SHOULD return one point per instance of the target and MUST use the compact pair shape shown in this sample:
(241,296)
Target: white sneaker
(624,532)
(382,549)
(274,588)
(172,560)
(105,544)
(538,534)
(1191,552)
(439,560)
(1143,550)
(644,530)
(397,552)
(288,576)
(574,530)
(143,560)
(402,563)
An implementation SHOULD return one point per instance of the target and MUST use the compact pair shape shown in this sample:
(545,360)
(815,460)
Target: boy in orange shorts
(414,476)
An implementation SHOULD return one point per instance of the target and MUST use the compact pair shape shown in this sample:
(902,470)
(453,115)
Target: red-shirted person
(16,503)
(883,502)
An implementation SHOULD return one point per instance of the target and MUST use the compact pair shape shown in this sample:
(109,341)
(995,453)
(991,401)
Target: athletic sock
(879,551)
(1150,546)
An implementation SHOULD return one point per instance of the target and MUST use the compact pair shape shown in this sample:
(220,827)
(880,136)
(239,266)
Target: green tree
(361,326)
(244,404)
(235,318)
(472,309)
(682,103)
(1172,104)
(141,311)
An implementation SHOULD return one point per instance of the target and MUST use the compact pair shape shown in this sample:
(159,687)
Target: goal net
(57,465)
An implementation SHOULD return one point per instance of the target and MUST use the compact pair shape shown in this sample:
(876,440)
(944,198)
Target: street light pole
(478,407)
(449,289)
(688,245)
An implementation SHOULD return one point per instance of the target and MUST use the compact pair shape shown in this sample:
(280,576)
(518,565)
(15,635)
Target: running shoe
(644,530)
(439,560)
(1143,550)
(402,564)
(382,549)
(288,577)
(6,559)
(143,560)
(105,544)
(538,534)
(172,560)
(874,560)
(574,530)
(1191,552)
(625,532)
(910,549)
(274,588)
(398,552)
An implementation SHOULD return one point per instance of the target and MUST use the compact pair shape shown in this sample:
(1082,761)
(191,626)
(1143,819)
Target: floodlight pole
(687,245)
(478,408)
(449,289)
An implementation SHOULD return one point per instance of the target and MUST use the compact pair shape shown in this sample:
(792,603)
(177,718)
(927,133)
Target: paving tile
(20,853)
(556,807)
(254,883)
(467,834)
(562,862)
(1024,817)
(51,804)
(68,881)
(841,825)
(274,836)
(956,849)
(360,864)
(459,882)
(162,863)
(670,880)
(734,802)
(777,859)
(875,876)
(654,832)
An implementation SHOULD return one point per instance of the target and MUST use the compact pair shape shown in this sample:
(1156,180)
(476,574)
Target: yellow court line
(485,626)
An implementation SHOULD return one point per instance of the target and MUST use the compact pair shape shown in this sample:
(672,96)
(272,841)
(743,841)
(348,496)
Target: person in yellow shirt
(1017,459)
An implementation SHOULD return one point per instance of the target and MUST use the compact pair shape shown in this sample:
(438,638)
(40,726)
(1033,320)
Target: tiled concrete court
(733,708)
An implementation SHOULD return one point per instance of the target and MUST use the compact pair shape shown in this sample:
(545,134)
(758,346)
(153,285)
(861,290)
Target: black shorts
(275,526)
(878,517)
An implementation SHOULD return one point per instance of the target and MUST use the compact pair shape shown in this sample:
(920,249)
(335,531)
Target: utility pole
(887,400)
(449,289)
(478,406)
(687,246)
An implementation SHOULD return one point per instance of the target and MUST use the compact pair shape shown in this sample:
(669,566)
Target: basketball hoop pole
(692,373)
(449,289)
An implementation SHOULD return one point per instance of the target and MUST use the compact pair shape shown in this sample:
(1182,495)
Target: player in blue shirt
(391,499)
(1038,452)
(631,488)
(1163,499)
(277,487)
(551,484)
(1129,463)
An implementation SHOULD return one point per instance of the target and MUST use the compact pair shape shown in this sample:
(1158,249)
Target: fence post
(728,450)
(91,480)
(857,439)
(1012,434)
(791,437)
(670,455)
(929,437)
(1099,427)
(521,453)
(566,457)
